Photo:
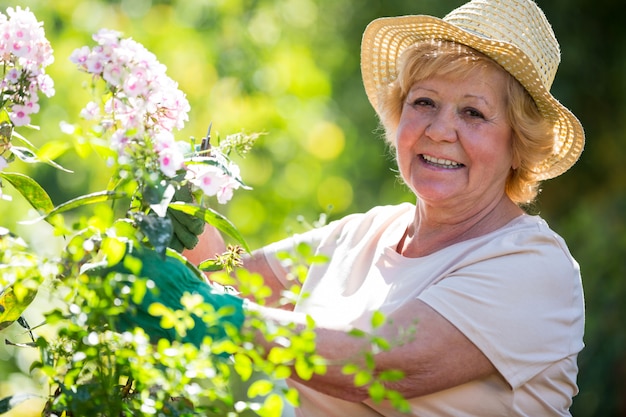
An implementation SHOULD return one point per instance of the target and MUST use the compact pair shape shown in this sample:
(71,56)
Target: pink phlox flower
(107,37)
(40,56)
(13,75)
(105,52)
(94,64)
(18,48)
(122,57)
(118,113)
(136,83)
(225,193)
(46,85)
(233,183)
(80,56)
(139,54)
(91,111)
(24,51)
(118,108)
(145,101)
(19,115)
(207,178)
(32,106)
(114,105)
(162,140)
(132,114)
(119,141)
(214,180)
(113,73)
(26,38)
(171,156)
(171,106)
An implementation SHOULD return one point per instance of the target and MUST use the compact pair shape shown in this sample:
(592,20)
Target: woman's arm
(211,243)
(438,357)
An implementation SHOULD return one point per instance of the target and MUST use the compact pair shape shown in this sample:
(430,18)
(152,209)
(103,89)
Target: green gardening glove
(187,228)
(172,278)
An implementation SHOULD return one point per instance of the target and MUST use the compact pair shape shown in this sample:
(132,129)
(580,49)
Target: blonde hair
(533,135)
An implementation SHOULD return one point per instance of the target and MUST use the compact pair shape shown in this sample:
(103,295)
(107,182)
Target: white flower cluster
(24,54)
(143,109)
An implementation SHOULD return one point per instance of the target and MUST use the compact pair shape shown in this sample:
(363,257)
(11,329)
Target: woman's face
(453,141)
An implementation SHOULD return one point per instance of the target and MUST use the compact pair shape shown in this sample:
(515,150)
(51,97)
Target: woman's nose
(442,126)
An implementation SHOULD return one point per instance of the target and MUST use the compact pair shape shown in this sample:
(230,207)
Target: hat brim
(385,39)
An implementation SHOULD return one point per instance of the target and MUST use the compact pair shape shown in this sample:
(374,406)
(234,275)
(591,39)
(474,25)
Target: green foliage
(21,274)
(367,374)
(30,190)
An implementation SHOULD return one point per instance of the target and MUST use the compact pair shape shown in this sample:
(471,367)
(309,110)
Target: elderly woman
(493,293)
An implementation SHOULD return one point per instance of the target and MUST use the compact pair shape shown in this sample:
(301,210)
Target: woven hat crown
(514,33)
(520,23)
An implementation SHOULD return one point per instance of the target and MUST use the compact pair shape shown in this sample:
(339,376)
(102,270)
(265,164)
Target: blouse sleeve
(313,238)
(518,299)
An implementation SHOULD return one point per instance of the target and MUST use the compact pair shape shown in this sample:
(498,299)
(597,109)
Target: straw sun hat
(514,33)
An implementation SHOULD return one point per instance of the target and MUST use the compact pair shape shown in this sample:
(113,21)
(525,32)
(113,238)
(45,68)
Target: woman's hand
(186,227)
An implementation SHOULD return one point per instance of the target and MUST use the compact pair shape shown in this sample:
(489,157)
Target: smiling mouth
(441,163)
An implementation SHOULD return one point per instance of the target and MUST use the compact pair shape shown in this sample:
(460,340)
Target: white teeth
(446,163)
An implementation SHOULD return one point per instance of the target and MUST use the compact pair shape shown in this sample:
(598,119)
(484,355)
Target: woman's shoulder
(531,228)
(378,216)
(526,235)
(370,225)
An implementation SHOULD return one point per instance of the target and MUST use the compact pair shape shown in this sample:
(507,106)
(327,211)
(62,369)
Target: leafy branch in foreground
(365,371)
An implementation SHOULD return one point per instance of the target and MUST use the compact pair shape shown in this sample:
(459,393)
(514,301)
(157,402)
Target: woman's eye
(422,101)
(474,113)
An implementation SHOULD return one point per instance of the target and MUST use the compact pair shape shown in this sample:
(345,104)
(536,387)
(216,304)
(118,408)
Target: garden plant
(161,193)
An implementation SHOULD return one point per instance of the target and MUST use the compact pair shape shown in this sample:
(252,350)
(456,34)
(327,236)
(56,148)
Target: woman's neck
(432,230)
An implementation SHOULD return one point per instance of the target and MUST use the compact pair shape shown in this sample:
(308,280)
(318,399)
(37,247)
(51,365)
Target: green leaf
(213,218)
(260,388)
(357,333)
(31,190)
(18,136)
(280,355)
(376,392)
(7,403)
(378,319)
(304,249)
(97,197)
(243,366)
(25,154)
(349,369)
(398,401)
(369,360)
(31,157)
(158,230)
(272,406)
(53,149)
(391,375)
(362,378)
(304,369)
(381,343)
(292,397)
(11,308)
(210,265)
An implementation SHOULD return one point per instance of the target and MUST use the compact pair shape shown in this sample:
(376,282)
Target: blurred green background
(290,68)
